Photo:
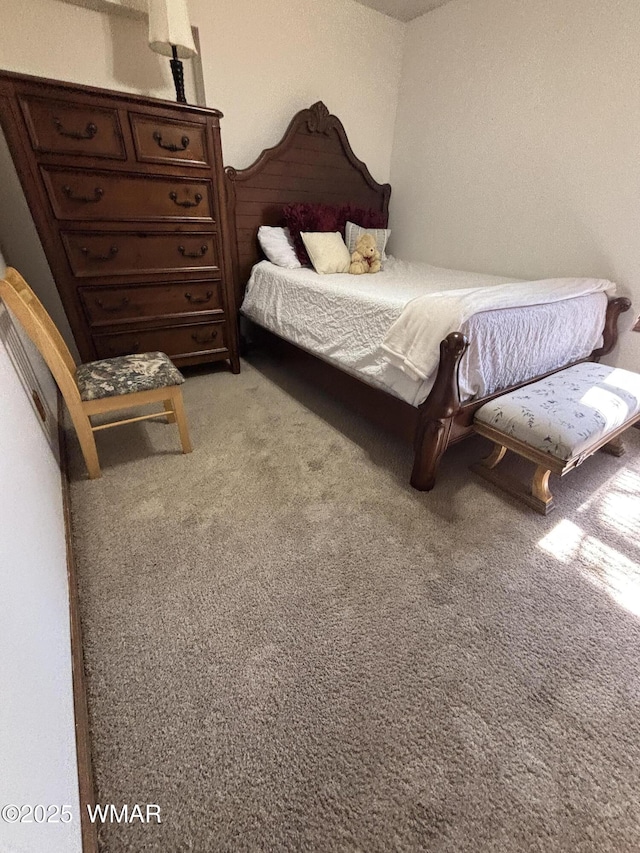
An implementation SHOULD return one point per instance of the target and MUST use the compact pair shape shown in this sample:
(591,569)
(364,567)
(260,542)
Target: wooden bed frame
(314,162)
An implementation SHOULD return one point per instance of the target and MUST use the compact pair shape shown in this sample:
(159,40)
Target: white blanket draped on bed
(413,342)
(345,318)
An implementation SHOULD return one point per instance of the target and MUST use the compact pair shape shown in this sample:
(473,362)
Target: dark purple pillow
(307,216)
(315,216)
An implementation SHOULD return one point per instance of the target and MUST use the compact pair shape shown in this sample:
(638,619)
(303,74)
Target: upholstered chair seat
(126,374)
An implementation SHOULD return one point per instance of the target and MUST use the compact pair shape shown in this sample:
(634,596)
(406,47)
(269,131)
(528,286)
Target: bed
(334,325)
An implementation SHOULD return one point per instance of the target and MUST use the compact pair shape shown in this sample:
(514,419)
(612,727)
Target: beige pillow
(327,251)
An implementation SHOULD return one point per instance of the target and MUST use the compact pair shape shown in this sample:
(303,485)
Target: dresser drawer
(110,196)
(175,341)
(109,305)
(60,128)
(164,141)
(119,253)
(128,199)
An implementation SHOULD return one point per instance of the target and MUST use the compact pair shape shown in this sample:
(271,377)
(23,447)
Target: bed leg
(437,413)
(243,345)
(431,442)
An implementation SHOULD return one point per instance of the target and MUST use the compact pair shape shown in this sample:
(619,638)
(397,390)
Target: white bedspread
(344,320)
(412,342)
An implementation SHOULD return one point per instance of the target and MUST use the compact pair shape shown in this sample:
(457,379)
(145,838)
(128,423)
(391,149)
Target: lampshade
(169,27)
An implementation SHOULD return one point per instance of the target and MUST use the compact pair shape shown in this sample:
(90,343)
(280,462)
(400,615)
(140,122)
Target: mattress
(343,319)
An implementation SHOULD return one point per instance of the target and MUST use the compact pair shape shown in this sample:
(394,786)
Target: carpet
(289,649)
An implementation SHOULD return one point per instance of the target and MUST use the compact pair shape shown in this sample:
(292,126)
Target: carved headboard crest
(320,119)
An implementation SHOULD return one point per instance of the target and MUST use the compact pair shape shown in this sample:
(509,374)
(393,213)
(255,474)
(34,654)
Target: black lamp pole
(178,75)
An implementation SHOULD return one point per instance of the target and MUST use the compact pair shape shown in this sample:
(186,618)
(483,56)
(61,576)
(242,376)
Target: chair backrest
(32,316)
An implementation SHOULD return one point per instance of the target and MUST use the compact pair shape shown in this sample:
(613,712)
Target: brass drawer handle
(170,146)
(186,203)
(88,133)
(113,309)
(198,300)
(113,251)
(206,339)
(87,199)
(197,254)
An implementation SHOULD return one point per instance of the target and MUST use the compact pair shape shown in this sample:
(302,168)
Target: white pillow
(354,232)
(278,246)
(327,251)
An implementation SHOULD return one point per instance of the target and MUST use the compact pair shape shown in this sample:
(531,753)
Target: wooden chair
(99,386)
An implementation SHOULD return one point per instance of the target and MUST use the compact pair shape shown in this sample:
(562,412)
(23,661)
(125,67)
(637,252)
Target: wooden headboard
(313,162)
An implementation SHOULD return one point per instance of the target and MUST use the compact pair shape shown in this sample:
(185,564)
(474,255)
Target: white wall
(517,143)
(37,730)
(264,61)
(50,38)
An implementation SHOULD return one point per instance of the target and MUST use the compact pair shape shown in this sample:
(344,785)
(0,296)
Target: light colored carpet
(289,649)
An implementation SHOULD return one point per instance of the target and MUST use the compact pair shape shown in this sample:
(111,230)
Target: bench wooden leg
(495,457)
(538,496)
(615,447)
(542,499)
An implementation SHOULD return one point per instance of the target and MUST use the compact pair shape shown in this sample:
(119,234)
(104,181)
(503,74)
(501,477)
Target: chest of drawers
(127,195)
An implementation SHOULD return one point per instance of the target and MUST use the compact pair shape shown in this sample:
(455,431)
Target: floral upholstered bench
(558,422)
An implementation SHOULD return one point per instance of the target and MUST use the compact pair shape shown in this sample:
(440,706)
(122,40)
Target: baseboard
(81,713)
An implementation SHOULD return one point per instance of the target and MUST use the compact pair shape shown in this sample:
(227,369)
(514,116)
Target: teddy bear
(366,257)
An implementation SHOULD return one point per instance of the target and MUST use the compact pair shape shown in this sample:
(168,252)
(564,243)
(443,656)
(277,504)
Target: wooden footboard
(445,420)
